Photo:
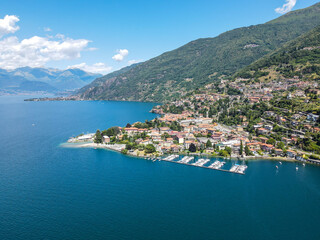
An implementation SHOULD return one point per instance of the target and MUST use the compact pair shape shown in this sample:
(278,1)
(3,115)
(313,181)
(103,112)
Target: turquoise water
(49,192)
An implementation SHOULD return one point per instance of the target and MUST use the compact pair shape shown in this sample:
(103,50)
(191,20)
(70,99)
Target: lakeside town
(253,122)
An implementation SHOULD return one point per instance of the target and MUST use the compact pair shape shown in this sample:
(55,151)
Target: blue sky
(84,33)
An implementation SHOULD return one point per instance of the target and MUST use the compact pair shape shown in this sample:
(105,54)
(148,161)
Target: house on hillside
(266,147)
(106,139)
(291,154)
(312,117)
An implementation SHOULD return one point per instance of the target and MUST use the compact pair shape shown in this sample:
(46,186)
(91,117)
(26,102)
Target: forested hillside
(300,57)
(203,61)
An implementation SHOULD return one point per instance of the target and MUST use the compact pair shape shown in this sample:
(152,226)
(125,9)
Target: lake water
(49,192)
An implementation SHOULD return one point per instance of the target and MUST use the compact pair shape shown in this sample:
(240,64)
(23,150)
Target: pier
(186,160)
(170,158)
(200,162)
(217,165)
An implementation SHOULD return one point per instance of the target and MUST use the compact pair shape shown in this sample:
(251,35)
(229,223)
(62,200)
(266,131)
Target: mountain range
(27,79)
(203,61)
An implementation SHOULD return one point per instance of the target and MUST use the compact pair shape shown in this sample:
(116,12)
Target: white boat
(242,168)
(297,168)
(214,165)
(200,162)
(217,165)
(171,157)
(186,159)
(234,168)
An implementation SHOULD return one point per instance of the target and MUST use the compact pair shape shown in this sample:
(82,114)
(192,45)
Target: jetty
(171,158)
(238,168)
(186,160)
(201,162)
(217,165)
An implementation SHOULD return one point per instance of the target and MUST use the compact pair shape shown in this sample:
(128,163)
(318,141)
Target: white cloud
(95,68)
(37,51)
(122,53)
(133,61)
(47,29)
(287,7)
(8,25)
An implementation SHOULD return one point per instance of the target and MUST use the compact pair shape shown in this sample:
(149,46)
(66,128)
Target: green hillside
(97,85)
(202,61)
(299,57)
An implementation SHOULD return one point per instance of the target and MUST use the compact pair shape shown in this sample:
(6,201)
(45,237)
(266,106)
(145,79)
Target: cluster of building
(258,91)
(306,122)
(199,131)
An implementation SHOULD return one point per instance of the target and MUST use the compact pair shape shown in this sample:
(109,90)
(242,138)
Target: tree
(150,148)
(124,151)
(113,131)
(165,136)
(280,145)
(98,137)
(192,148)
(128,125)
(228,150)
(241,148)
(129,146)
(271,141)
(208,144)
(175,126)
(223,153)
(247,151)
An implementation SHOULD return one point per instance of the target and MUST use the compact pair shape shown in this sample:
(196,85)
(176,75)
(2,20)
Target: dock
(200,162)
(170,158)
(217,165)
(186,160)
(238,168)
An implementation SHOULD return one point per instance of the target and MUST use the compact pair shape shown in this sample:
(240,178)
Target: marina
(202,163)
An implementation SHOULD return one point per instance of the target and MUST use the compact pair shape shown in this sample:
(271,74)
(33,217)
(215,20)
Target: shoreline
(115,148)
(75,98)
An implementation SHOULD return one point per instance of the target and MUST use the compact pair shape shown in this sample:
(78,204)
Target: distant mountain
(299,57)
(32,86)
(202,61)
(98,84)
(51,80)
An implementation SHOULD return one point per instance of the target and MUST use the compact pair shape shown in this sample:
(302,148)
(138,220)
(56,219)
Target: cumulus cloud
(8,25)
(133,61)
(37,51)
(122,53)
(287,7)
(95,68)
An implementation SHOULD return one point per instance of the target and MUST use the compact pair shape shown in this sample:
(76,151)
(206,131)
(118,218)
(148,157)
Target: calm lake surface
(49,192)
